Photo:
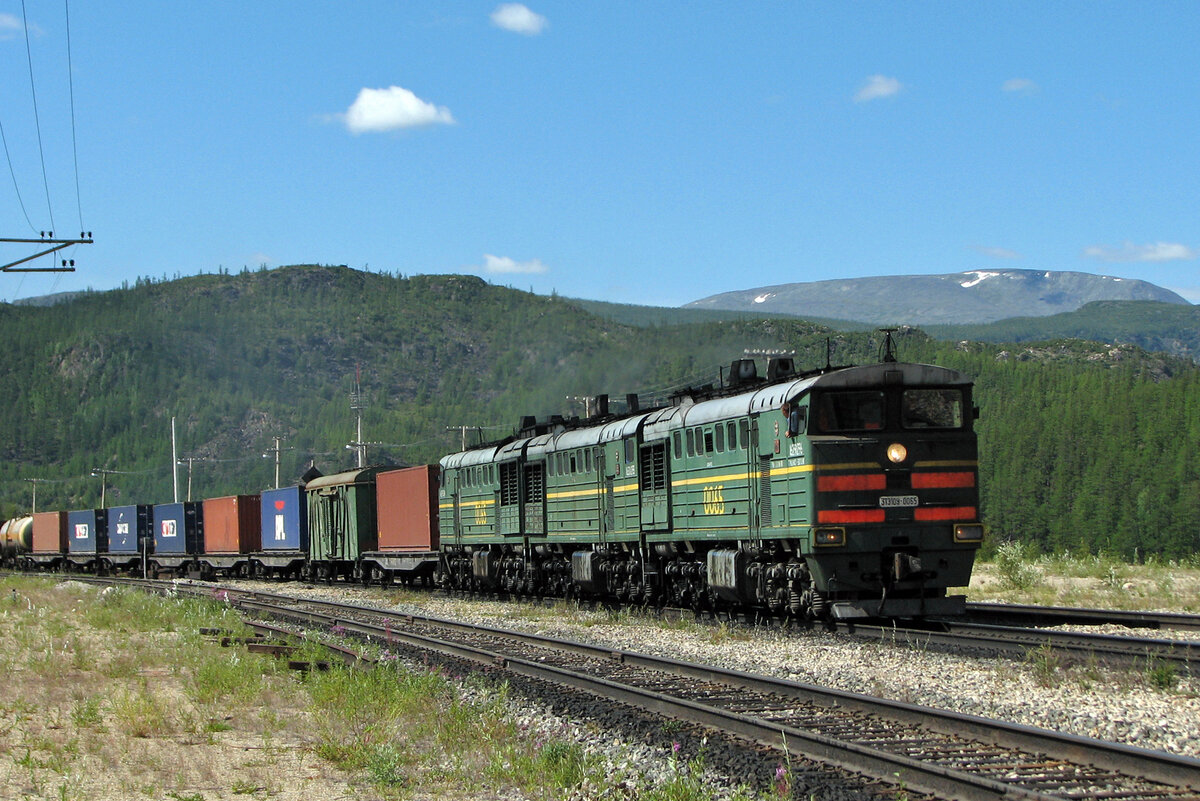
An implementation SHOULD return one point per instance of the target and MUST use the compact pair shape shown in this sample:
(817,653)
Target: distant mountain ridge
(975,296)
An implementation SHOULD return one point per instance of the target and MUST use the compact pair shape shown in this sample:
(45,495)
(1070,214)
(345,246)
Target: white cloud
(9,26)
(1159,251)
(878,86)
(518,19)
(1022,85)
(503,264)
(390,109)
(999,253)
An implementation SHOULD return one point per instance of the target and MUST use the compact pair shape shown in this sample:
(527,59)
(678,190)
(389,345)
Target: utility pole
(463,432)
(190,461)
(174,464)
(585,400)
(35,482)
(357,404)
(51,245)
(277,450)
(102,474)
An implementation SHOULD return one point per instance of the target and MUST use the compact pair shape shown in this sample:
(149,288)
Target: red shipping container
(233,524)
(49,532)
(406,504)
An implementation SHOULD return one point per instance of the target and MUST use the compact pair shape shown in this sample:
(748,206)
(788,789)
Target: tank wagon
(850,492)
(16,538)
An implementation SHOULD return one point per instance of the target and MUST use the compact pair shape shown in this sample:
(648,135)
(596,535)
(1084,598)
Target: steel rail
(874,763)
(1020,641)
(1043,616)
(1178,772)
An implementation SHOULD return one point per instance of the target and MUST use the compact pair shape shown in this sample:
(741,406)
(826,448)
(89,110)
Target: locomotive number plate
(898,501)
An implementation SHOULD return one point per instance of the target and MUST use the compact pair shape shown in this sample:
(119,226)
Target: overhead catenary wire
(36,117)
(74,143)
(47,239)
(16,186)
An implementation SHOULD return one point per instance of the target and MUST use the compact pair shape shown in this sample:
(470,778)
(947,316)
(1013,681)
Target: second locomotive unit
(847,492)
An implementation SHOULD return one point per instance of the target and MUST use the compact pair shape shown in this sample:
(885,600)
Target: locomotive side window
(719,436)
(932,408)
(731,428)
(850,411)
(691,442)
(678,440)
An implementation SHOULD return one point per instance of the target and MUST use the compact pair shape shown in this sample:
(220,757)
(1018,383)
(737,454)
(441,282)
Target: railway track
(946,754)
(1045,616)
(1141,652)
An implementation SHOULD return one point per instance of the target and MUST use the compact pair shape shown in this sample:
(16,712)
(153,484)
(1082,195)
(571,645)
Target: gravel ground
(1111,704)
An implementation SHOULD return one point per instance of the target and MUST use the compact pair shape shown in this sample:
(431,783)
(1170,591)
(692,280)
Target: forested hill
(1168,327)
(1083,445)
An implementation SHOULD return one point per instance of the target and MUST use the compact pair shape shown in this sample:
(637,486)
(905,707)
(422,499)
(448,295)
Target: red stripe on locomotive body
(863,481)
(942,480)
(850,516)
(946,513)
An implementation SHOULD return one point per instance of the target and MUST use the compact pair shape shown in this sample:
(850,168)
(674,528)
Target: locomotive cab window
(850,411)
(932,408)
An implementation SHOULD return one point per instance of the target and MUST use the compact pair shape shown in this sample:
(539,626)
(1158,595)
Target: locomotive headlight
(968,533)
(897,453)
(829,536)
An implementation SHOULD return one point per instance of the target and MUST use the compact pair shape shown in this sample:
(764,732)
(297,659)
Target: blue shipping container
(284,520)
(179,528)
(86,531)
(127,527)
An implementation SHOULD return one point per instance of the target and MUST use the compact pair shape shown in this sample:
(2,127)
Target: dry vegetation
(121,698)
(115,694)
(1017,576)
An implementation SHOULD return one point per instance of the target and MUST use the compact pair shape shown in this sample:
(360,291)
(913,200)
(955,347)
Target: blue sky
(643,152)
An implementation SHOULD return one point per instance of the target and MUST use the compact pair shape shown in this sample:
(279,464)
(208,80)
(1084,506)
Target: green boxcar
(341,520)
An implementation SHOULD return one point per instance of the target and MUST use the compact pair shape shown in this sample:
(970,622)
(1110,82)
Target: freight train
(844,492)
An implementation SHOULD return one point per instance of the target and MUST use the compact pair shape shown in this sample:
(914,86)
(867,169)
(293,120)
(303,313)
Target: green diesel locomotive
(845,492)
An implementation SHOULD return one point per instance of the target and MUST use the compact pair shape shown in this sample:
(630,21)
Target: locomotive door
(456,497)
(604,492)
(534,497)
(655,486)
(754,480)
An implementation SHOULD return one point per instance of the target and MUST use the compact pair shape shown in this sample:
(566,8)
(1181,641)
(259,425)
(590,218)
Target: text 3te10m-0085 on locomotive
(846,492)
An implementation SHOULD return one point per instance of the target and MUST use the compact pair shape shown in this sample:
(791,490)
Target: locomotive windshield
(856,411)
(849,411)
(932,408)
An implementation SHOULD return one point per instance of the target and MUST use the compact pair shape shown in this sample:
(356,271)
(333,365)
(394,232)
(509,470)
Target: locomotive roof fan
(742,371)
(780,367)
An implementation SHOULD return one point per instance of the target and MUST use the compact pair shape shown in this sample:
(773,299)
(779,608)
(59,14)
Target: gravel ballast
(1120,705)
